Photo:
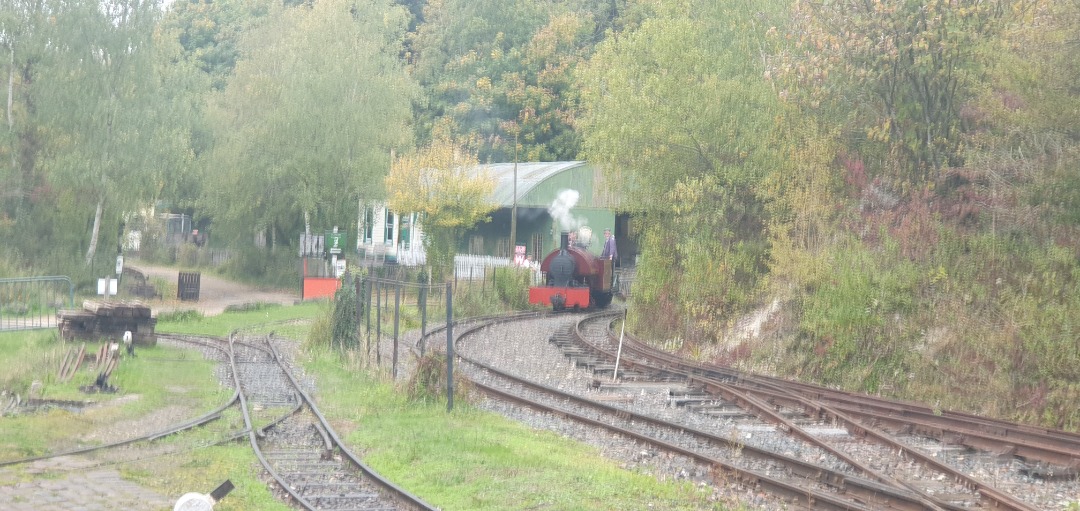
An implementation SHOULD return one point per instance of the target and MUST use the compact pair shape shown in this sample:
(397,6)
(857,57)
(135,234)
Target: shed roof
(529,176)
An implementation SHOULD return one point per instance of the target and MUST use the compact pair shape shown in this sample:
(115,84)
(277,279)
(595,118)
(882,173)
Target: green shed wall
(581,178)
(592,209)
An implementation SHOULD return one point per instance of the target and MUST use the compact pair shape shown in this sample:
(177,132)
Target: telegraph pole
(513,210)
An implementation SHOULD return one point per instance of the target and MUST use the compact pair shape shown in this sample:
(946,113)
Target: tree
(493,69)
(97,100)
(441,183)
(209,31)
(305,127)
(897,73)
(19,24)
(679,118)
(182,130)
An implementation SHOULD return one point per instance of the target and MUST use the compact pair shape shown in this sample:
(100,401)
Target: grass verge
(472,459)
(467,459)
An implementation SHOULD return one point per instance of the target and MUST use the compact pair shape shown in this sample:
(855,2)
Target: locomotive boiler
(574,279)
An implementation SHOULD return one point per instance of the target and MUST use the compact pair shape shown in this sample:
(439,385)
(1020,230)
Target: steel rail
(903,497)
(692,370)
(896,498)
(190,424)
(388,485)
(1059,454)
(1057,447)
(763,410)
(248,424)
(817,499)
(201,420)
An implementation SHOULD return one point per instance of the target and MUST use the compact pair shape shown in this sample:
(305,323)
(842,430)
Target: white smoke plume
(560,210)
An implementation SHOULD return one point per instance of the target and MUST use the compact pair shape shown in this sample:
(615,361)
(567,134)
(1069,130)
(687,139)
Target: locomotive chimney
(564,240)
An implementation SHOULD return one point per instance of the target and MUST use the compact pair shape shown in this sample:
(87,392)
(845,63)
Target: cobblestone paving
(68,484)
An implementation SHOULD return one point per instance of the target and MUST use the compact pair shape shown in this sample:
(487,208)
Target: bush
(472,299)
(261,266)
(187,255)
(849,327)
(512,286)
(153,250)
(8,266)
(428,382)
(345,323)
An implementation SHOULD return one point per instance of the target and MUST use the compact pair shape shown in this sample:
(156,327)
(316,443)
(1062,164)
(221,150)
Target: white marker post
(618,354)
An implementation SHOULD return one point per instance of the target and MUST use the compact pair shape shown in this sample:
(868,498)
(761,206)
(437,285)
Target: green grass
(203,469)
(471,459)
(156,378)
(26,356)
(265,317)
(467,459)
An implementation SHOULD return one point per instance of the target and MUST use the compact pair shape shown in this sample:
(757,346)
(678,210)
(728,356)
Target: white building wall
(382,239)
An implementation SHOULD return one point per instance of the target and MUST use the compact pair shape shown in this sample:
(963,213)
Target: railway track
(797,481)
(842,459)
(296,446)
(909,426)
(305,461)
(809,447)
(211,349)
(1050,453)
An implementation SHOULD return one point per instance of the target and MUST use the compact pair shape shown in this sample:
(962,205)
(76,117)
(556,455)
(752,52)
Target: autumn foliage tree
(442,183)
(898,74)
(499,74)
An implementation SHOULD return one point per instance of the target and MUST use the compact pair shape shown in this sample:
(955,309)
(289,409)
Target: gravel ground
(525,351)
(215,294)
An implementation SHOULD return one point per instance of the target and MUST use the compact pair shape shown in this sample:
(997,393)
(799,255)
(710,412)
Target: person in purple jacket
(609,252)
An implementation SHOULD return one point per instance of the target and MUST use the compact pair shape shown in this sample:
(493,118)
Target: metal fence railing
(32,302)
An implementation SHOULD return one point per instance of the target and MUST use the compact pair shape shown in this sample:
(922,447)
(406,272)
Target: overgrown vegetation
(916,237)
(352,322)
(512,285)
(427,383)
(28,356)
(346,320)
(900,175)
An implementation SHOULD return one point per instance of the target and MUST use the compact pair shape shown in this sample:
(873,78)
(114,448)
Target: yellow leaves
(440,181)
(938,275)
(881,132)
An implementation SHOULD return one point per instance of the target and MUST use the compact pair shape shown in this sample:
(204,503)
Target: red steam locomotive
(575,279)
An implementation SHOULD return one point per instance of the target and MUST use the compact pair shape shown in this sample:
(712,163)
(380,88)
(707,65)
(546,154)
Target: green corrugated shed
(539,186)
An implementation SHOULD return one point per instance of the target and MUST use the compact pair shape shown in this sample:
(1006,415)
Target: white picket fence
(467,267)
(475,267)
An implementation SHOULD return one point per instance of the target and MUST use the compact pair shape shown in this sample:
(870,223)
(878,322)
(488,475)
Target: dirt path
(215,293)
